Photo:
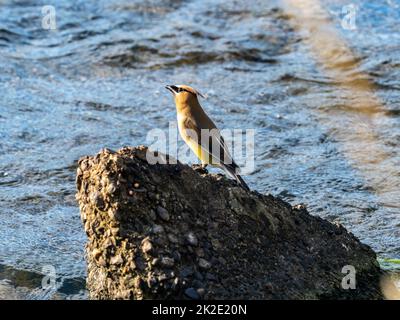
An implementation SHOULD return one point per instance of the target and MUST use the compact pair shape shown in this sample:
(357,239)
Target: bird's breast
(181,125)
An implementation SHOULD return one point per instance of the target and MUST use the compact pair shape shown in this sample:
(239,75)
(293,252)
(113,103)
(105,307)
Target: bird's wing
(210,141)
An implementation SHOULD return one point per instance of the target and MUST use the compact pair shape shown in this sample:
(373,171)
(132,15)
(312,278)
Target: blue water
(98,81)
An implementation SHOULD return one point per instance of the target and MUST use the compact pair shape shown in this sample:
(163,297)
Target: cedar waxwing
(200,133)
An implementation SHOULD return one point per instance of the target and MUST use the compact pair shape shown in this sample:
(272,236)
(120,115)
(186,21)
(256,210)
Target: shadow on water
(20,284)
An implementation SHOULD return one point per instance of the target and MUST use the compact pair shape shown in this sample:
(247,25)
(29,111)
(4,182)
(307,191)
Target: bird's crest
(176,89)
(191,90)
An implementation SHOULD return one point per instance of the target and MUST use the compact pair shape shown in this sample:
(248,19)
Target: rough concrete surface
(170,232)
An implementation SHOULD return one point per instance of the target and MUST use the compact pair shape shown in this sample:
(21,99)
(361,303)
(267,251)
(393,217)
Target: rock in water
(227,243)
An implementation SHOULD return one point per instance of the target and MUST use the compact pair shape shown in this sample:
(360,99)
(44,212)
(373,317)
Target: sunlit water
(98,81)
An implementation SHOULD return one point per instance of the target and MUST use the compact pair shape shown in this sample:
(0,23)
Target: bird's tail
(231,171)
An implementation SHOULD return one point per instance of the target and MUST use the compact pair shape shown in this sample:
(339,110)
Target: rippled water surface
(98,81)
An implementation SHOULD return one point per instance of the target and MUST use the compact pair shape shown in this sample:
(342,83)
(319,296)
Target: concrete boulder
(163,231)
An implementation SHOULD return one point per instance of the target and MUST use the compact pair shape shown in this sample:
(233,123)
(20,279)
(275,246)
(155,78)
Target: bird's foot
(200,168)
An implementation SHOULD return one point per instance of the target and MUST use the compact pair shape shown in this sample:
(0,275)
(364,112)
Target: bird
(201,134)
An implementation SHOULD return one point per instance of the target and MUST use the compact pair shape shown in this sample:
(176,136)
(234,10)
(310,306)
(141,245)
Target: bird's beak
(173,89)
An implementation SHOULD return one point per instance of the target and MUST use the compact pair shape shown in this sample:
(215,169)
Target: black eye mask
(179,89)
(183,89)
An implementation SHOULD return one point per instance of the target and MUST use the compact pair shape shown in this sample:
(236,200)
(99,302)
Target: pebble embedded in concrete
(163,213)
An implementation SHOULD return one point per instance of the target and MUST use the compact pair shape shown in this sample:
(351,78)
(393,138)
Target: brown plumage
(200,133)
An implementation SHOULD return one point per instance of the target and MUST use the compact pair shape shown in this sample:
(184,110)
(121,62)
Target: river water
(98,81)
